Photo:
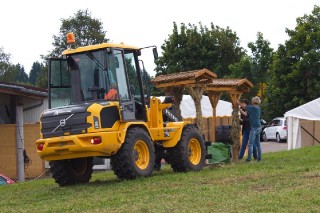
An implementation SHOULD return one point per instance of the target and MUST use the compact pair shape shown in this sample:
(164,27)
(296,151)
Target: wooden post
(214,98)
(196,94)
(235,127)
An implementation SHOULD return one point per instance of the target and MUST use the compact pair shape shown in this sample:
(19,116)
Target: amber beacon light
(70,38)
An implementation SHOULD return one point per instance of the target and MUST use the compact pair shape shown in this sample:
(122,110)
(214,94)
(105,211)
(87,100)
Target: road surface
(272,146)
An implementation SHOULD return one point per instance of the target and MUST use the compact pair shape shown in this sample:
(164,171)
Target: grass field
(286,181)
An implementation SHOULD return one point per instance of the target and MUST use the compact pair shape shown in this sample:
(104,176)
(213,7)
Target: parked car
(4,180)
(276,130)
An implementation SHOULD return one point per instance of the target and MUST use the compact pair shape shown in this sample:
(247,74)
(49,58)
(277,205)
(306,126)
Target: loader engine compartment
(73,120)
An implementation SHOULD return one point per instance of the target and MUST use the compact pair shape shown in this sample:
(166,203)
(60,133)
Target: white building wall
(33,115)
(4,108)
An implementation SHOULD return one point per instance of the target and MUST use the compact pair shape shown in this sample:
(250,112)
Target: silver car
(276,130)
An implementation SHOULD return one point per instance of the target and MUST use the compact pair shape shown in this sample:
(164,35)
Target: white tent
(309,111)
(188,109)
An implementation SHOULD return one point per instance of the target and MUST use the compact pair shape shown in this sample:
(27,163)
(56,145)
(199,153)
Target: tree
(244,69)
(22,75)
(86,29)
(42,77)
(34,72)
(295,73)
(4,63)
(15,73)
(192,48)
(255,67)
(261,58)
(10,72)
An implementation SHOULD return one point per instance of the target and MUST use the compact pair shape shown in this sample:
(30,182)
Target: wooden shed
(20,109)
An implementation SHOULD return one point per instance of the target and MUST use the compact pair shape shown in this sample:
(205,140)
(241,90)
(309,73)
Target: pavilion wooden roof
(184,78)
(229,85)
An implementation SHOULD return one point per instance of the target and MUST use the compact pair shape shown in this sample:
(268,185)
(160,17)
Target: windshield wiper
(93,58)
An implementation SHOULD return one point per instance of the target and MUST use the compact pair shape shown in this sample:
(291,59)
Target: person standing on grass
(254,113)
(245,130)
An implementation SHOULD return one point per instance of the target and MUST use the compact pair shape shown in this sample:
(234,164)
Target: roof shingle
(203,74)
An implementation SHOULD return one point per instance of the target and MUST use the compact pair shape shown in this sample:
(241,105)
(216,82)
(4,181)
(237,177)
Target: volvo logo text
(61,111)
(62,122)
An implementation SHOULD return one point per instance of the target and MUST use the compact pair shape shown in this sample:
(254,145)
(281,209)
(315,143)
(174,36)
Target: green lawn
(283,182)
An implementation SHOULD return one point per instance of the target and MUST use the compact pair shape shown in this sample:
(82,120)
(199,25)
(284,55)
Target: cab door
(126,100)
(60,93)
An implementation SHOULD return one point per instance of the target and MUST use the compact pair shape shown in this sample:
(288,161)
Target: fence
(222,126)
(8,159)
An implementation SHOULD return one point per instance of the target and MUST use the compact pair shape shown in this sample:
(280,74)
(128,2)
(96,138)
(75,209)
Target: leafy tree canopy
(261,58)
(195,47)
(15,74)
(4,62)
(42,76)
(34,73)
(10,72)
(255,67)
(295,73)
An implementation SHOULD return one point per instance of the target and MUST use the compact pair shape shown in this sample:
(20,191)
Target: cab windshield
(95,77)
(91,76)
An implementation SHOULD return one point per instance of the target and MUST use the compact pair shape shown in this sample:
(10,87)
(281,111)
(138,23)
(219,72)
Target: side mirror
(155,53)
(263,122)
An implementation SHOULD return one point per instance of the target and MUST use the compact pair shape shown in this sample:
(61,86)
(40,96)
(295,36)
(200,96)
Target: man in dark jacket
(254,113)
(245,130)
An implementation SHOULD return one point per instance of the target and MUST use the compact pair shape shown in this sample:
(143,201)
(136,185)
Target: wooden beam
(235,96)
(176,83)
(221,89)
(214,98)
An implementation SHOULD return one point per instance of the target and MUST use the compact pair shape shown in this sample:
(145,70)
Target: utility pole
(20,139)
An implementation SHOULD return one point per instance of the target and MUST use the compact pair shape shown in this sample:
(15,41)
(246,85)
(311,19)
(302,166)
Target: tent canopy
(308,111)
(188,109)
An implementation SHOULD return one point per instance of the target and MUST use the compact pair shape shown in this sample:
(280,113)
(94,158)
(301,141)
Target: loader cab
(103,74)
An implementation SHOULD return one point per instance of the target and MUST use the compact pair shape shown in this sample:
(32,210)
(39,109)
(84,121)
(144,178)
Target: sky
(27,27)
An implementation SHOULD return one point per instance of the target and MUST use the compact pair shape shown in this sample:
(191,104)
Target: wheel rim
(264,137)
(79,166)
(141,154)
(194,151)
(278,138)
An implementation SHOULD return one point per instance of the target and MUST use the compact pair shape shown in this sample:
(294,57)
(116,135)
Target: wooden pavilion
(234,88)
(197,82)
(193,81)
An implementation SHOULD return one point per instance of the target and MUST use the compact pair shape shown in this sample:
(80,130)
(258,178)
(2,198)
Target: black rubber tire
(125,163)
(71,171)
(264,137)
(179,156)
(278,138)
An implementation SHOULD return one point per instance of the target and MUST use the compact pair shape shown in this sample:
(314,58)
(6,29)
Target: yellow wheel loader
(97,108)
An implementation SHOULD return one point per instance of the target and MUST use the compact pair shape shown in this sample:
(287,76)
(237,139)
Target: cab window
(121,76)
(132,75)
